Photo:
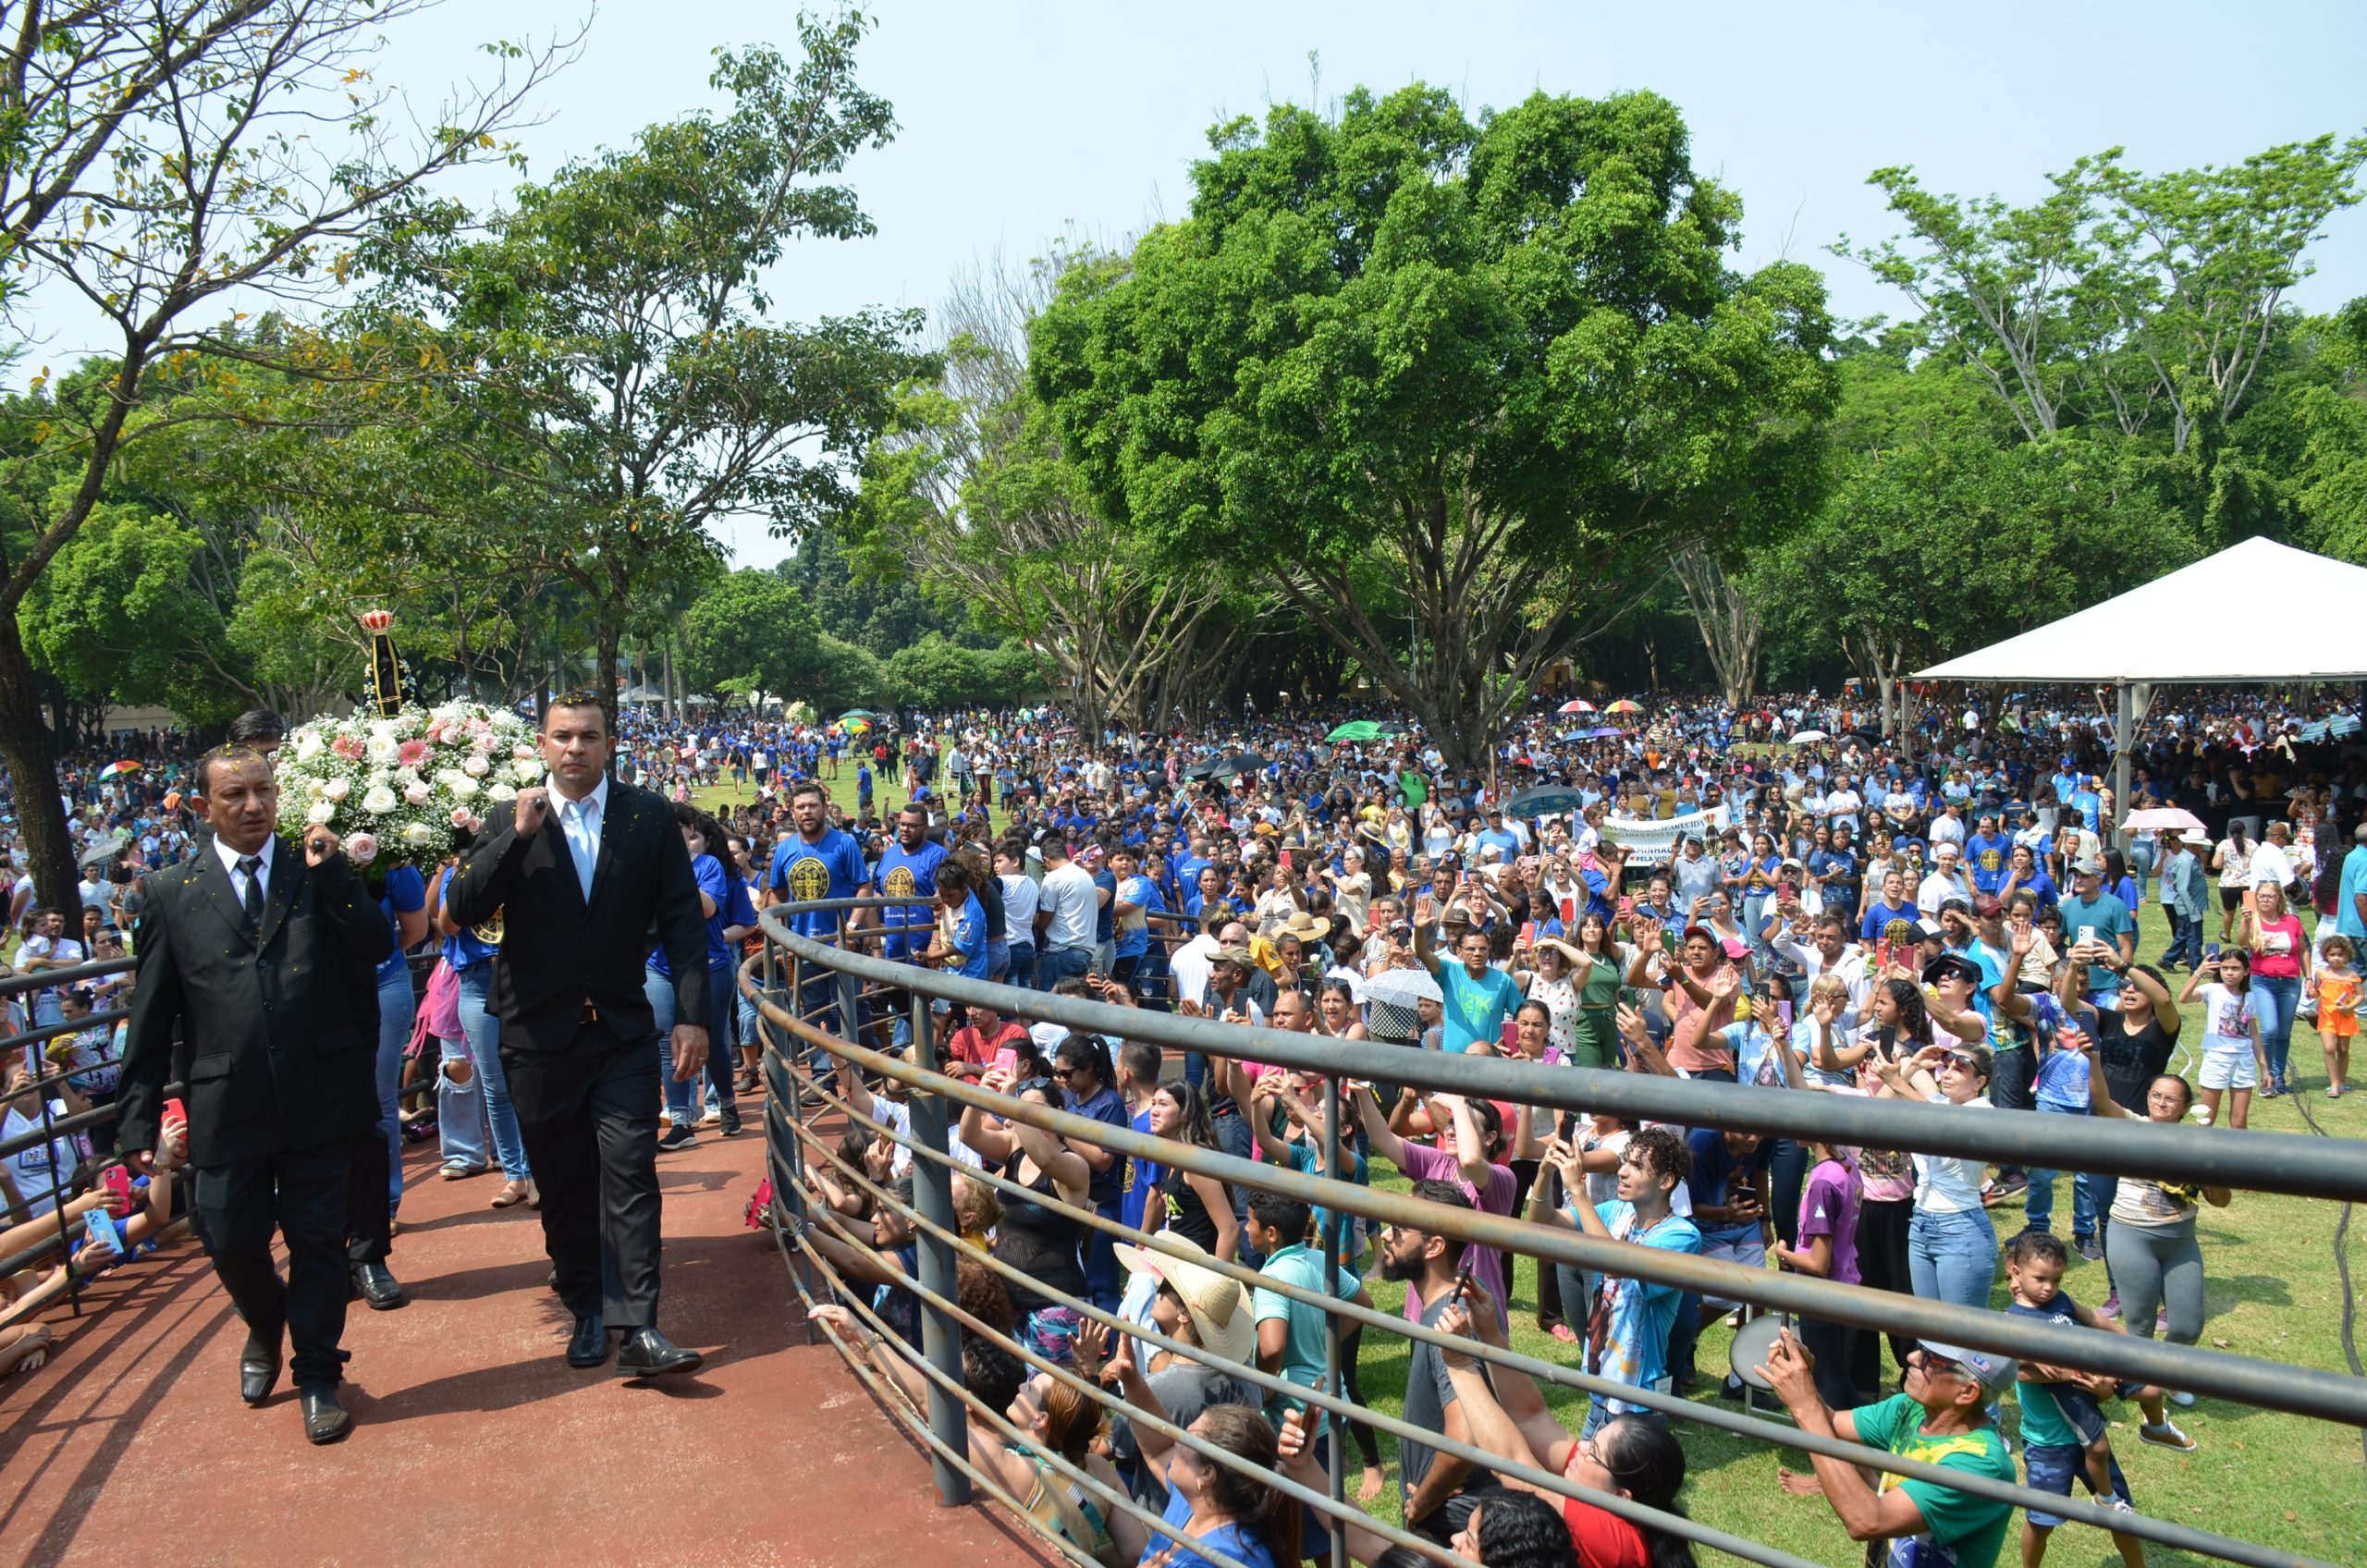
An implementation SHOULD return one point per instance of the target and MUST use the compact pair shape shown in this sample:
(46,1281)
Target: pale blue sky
(1022,119)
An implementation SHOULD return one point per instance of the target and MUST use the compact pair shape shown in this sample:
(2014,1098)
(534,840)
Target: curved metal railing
(793,1049)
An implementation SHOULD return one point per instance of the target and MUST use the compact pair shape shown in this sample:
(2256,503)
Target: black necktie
(253,866)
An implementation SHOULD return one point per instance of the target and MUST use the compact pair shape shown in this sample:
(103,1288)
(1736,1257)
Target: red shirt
(1603,1540)
(969,1046)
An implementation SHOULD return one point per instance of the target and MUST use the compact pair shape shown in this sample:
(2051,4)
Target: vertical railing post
(941,1335)
(1334,1365)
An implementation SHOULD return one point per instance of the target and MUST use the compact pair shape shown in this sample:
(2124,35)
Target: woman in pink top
(2280,974)
(1700,1003)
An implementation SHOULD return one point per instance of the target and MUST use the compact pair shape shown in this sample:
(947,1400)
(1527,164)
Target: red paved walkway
(474,1444)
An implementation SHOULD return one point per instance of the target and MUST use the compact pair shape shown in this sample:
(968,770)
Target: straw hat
(1221,1312)
(1307,927)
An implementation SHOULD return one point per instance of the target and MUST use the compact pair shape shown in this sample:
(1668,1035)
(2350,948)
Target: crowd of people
(1776,897)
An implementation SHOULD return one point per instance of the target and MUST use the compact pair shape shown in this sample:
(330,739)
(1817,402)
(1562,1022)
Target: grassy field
(2272,1291)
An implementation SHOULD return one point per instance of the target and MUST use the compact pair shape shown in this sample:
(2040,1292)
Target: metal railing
(61,1239)
(799,1093)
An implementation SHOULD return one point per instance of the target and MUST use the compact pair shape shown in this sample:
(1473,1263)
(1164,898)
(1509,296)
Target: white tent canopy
(2258,612)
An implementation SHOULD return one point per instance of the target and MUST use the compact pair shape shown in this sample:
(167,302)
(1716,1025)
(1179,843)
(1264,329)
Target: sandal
(1565,1333)
(512,1192)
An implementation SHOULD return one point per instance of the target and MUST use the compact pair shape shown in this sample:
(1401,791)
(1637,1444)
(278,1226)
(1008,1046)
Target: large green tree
(1502,365)
(157,162)
(751,630)
(617,375)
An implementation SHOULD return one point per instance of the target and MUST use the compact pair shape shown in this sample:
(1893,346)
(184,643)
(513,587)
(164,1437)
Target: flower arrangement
(394,788)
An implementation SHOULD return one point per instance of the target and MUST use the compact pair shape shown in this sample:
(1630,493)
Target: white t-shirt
(2271,867)
(1944,1183)
(2228,1019)
(39,1169)
(1018,908)
(1069,894)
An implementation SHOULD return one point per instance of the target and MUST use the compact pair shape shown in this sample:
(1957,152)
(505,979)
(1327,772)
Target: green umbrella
(858,713)
(1356,729)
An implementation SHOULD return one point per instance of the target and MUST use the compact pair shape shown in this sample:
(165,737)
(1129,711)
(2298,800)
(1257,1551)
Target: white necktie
(579,845)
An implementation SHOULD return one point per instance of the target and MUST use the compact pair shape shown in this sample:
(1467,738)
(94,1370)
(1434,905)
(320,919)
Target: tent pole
(2124,744)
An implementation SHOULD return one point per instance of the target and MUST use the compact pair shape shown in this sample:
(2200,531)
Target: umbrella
(854,725)
(2161,818)
(1624,706)
(1401,987)
(116,770)
(1064,730)
(1606,733)
(858,713)
(1802,737)
(1202,769)
(1356,729)
(1545,799)
(104,849)
(1239,762)
(1577,705)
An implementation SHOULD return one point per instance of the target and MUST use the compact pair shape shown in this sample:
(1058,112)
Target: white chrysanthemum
(319,813)
(379,801)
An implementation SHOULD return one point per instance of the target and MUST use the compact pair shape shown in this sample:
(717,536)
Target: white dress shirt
(580,822)
(230,859)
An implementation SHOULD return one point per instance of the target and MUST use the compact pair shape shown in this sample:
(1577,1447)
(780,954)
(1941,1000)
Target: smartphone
(1463,1276)
(1527,932)
(99,1226)
(2211,952)
(117,1180)
(1006,1061)
(1626,903)
(176,1114)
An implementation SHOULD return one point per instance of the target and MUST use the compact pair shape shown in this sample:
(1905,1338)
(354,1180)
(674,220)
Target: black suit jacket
(277,1030)
(558,952)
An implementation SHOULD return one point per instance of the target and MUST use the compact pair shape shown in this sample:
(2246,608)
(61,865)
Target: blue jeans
(2039,1202)
(482,1028)
(659,989)
(2186,940)
(1059,964)
(1022,965)
(1952,1256)
(397,1008)
(2278,997)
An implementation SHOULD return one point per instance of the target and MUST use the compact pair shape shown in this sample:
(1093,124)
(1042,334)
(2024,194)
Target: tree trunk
(30,753)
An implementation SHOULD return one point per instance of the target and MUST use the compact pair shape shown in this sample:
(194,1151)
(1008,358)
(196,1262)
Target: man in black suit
(266,957)
(581,868)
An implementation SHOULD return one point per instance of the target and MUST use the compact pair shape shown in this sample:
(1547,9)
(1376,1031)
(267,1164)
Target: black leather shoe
(374,1285)
(648,1353)
(258,1368)
(588,1346)
(325,1421)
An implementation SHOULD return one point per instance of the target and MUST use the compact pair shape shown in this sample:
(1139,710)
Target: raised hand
(319,844)
(533,806)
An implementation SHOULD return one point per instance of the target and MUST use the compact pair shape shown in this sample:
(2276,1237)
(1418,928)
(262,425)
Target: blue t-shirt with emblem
(909,873)
(831,867)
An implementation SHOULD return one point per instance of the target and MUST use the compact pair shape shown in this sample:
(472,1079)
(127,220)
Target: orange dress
(2338,1005)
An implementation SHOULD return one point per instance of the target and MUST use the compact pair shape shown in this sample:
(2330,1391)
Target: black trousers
(589,1118)
(369,1211)
(1881,1262)
(301,1193)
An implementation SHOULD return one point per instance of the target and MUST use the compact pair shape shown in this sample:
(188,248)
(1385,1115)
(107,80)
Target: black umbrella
(1545,799)
(1239,762)
(1202,770)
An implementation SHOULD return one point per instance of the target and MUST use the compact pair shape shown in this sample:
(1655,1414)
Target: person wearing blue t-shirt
(1990,855)
(1477,998)
(819,861)
(908,869)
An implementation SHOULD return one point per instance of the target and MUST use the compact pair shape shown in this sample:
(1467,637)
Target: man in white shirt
(1066,915)
(1945,881)
(1842,803)
(2271,864)
(1832,953)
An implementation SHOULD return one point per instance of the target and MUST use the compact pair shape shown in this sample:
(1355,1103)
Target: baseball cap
(2088,866)
(1994,1373)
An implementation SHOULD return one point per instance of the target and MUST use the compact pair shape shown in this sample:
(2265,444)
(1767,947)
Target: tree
(750,626)
(113,619)
(623,383)
(154,159)
(1727,607)
(2119,296)
(937,675)
(1500,366)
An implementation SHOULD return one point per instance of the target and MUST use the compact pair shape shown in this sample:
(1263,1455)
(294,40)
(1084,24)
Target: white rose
(309,744)
(476,767)
(501,792)
(417,791)
(379,801)
(382,749)
(338,789)
(416,835)
(319,813)
(528,771)
(464,789)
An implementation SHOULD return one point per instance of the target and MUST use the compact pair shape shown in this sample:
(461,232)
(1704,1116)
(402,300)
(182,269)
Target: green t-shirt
(1308,1348)
(1960,1530)
(2110,918)
(1417,789)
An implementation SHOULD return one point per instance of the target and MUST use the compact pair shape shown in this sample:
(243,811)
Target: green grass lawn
(2274,1292)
